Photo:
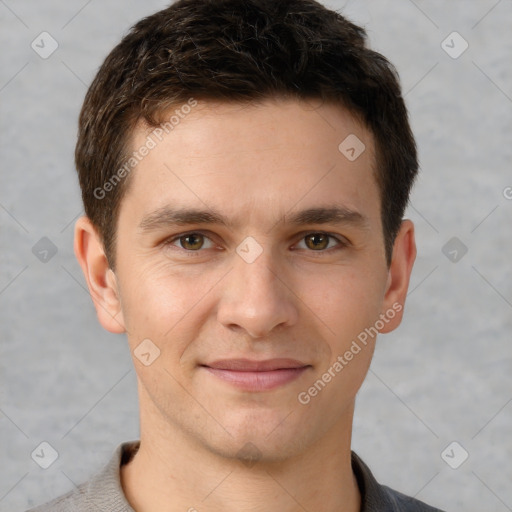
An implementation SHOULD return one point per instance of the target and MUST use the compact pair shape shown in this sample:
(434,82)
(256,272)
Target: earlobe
(399,273)
(100,278)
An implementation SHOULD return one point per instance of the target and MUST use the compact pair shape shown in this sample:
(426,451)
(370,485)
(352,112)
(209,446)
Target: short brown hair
(239,51)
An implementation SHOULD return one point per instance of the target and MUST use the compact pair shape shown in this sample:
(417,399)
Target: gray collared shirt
(103,492)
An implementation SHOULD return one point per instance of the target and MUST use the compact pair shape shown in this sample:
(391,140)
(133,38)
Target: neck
(172,472)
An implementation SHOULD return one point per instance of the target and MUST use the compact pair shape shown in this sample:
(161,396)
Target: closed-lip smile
(253,375)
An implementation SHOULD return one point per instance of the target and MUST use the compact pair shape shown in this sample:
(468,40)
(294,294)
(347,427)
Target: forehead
(265,156)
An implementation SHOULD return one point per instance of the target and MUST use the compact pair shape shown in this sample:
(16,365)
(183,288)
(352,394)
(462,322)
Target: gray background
(445,375)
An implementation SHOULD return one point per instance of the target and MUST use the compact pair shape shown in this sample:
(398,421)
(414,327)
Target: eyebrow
(329,215)
(168,216)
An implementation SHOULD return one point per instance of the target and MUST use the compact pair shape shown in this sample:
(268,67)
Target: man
(245,168)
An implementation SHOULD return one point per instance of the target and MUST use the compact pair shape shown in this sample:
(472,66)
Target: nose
(256,297)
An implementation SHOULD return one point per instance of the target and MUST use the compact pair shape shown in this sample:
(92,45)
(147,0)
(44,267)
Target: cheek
(347,303)
(159,301)
(344,300)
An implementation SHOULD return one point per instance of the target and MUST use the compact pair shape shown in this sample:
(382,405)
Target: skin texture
(257,165)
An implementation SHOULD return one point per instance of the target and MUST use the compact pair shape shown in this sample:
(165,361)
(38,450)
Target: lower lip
(258,381)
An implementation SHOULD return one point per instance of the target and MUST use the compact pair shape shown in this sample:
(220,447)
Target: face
(250,258)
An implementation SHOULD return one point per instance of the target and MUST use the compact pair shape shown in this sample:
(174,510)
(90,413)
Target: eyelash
(340,245)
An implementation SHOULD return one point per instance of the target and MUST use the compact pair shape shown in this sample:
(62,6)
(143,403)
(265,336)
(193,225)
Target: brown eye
(317,241)
(191,241)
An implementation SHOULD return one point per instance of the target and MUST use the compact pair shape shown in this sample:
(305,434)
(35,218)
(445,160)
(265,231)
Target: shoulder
(381,498)
(71,502)
(403,503)
(102,492)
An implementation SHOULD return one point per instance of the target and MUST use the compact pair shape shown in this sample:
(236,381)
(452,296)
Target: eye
(320,241)
(191,242)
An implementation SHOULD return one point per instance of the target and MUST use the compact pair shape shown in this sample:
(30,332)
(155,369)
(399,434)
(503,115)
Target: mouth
(250,375)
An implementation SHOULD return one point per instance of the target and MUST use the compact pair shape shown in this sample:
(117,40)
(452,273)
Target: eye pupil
(192,241)
(317,241)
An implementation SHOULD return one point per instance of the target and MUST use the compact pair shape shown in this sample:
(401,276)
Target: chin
(250,450)
(261,440)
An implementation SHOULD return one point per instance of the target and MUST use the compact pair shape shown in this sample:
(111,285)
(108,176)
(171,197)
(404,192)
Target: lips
(250,375)
(248,365)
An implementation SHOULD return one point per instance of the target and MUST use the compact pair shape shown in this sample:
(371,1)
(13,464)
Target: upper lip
(249,365)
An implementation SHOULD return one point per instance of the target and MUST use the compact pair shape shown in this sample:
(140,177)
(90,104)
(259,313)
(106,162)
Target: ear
(101,280)
(404,254)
